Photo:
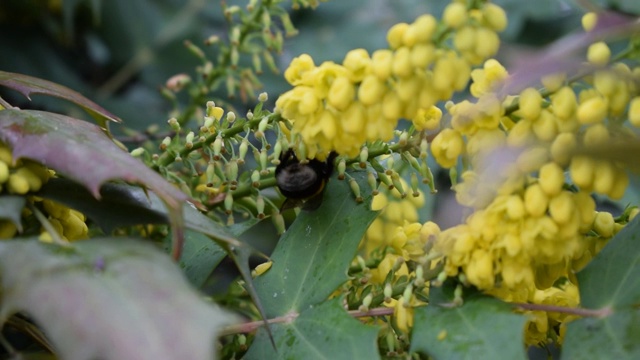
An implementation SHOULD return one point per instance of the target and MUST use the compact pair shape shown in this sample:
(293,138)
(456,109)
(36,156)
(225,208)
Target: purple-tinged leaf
(109,298)
(78,150)
(82,152)
(565,54)
(27,85)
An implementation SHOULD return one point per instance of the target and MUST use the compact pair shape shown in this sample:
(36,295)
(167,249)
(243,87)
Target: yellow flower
(530,103)
(479,270)
(494,16)
(427,119)
(455,14)
(589,21)
(402,314)
(371,90)
(484,79)
(446,147)
(358,63)
(299,67)
(341,93)
(379,274)
(598,53)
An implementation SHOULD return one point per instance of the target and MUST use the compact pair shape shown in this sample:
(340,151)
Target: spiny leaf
(82,152)
(612,278)
(321,332)
(613,337)
(312,257)
(108,298)
(27,85)
(483,328)
(77,150)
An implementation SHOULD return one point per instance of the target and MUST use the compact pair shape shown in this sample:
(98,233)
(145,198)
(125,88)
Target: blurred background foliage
(119,52)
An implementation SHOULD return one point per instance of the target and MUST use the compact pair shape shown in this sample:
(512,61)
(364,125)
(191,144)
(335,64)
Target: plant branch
(253,325)
(599,313)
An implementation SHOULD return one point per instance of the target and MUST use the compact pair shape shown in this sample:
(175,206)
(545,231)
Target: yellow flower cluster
(68,223)
(338,107)
(25,177)
(528,231)
(395,213)
(22,177)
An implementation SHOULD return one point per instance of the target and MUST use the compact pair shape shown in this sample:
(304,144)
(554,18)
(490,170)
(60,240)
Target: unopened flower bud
(366,302)
(373,183)
(263,162)
(217,147)
(395,179)
(277,150)
(136,152)
(414,185)
(388,292)
(242,152)
(356,189)
(165,143)
(364,155)
(232,172)
(402,141)
(228,203)
(407,294)
(174,124)
(390,163)
(255,179)
(342,167)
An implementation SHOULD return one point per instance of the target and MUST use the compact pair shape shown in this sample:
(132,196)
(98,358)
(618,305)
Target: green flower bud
(356,189)
(228,203)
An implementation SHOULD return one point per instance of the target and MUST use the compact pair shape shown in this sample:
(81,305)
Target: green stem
(225,62)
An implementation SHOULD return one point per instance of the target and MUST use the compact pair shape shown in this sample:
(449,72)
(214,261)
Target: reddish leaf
(81,151)
(78,150)
(27,85)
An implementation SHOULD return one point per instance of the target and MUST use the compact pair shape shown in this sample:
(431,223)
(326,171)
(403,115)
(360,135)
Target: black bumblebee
(303,184)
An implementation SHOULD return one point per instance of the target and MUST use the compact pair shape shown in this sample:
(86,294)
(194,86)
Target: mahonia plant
(522,166)
(530,227)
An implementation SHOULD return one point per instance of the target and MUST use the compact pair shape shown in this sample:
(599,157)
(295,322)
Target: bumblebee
(303,184)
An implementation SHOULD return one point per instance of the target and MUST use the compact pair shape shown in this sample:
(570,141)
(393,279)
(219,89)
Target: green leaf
(483,328)
(108,298)
(11,209)
(200,256)
(613,337)
(322,332)
(312,257)
(612,278)
(27,85)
